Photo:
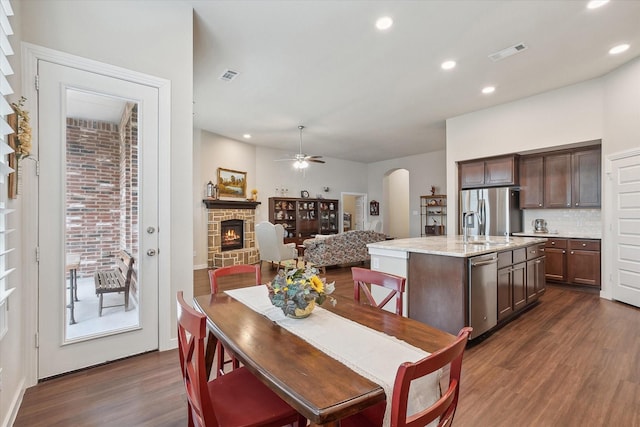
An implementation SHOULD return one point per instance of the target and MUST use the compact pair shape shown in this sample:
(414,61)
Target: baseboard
(12,413)
(200,267)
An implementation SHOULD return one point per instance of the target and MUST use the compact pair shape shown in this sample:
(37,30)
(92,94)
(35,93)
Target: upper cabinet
(493,172)
(564,179)
(586,178)
(532,182)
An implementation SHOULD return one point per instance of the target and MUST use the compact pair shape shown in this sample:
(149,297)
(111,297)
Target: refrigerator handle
(481,216)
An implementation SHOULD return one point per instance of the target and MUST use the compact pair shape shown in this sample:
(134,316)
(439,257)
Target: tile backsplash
(565,220)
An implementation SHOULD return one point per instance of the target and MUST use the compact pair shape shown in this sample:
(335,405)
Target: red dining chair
(214,276)
(237,398)
(443,409)
(363,279)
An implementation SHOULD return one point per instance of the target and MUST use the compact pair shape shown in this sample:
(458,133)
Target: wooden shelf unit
(433,215)
(303,218)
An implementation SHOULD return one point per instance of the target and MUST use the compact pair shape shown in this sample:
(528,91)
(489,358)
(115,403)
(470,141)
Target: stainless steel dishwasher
(483,293)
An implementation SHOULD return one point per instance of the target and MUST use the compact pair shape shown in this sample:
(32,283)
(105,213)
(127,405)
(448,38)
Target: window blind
(5,149)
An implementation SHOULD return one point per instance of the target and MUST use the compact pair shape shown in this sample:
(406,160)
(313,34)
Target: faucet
(465,233)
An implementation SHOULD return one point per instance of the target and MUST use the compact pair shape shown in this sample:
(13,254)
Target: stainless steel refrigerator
(497,211)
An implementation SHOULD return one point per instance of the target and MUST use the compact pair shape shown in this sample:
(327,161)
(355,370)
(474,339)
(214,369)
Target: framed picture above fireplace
(232,183)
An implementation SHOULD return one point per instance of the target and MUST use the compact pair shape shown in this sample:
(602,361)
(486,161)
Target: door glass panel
(101,214)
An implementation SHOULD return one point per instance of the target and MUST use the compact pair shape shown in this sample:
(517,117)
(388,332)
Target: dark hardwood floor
(573,360)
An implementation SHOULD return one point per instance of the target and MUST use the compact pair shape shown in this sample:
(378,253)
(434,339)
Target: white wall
(606,108)
(160,44)
(425,170)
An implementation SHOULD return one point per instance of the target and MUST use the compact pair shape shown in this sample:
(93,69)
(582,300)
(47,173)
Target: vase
(301,314)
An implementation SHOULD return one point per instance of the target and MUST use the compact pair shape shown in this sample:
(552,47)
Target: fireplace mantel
(230,204)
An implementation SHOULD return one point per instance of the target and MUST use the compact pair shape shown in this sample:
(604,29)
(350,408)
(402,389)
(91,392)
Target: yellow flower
(317,284)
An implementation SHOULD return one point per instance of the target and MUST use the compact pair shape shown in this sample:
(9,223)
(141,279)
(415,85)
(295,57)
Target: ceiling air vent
(501,54)
(228,75)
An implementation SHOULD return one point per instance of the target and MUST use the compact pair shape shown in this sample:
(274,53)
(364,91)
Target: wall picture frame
(374,208)
(232,183)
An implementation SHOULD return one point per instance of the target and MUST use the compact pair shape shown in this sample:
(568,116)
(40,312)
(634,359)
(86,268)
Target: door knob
(151,252)
(151,230)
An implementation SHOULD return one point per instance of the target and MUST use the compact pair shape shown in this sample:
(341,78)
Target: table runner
(355,345)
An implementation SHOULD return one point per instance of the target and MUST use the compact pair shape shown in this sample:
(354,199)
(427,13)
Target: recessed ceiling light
(384,23)
(594,4)
(246,136)
(489,89)
(447,65)
(618,49)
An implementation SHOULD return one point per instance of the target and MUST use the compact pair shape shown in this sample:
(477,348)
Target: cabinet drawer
(505,259)
(585,245)
(556,243)
(535,251)
(519,255)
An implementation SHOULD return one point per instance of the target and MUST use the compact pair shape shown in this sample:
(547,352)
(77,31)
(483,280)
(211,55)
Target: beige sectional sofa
(343,248)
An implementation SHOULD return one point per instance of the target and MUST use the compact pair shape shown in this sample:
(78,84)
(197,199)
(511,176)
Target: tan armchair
(271,244)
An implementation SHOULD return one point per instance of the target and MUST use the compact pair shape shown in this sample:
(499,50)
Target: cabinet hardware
(571,252)
(553,243)
(584,244)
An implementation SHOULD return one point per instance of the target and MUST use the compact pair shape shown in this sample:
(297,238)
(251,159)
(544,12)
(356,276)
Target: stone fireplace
(231,233)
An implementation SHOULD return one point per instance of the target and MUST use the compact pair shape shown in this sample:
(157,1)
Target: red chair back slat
(214,275)
(445,407)
(363,278)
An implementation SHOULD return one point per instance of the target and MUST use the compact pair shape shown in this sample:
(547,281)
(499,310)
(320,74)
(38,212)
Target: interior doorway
(352,211)
(396,202)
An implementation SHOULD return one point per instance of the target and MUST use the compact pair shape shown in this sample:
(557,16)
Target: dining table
(316,384)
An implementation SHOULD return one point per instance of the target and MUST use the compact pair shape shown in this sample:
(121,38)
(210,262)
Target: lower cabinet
(573,261)
(511,282)
(583,262)
(536,267)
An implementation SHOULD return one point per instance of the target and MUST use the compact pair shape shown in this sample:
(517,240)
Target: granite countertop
(454,245)
(562,234)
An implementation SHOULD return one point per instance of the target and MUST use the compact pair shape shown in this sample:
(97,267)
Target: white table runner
(352,344)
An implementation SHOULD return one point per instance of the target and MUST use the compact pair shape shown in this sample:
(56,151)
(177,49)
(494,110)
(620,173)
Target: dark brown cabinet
(493,172)
(586,179)
(532,182)
(573,261)
(536,266)
(557,181)
(304,218)
(511,282)
(555,251)
(564,179)
(583,262)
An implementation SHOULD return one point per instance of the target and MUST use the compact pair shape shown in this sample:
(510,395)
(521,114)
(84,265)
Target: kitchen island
(451,284)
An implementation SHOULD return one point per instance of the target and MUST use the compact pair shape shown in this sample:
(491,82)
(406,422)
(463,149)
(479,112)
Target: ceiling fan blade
(315,160)
(314,157)
(284,160)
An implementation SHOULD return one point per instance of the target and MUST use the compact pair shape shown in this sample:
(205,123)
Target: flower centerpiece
(297,291)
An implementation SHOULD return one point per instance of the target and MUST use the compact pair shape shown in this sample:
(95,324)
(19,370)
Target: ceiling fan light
(301,164)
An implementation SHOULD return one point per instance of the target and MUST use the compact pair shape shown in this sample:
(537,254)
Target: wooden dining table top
(318,386)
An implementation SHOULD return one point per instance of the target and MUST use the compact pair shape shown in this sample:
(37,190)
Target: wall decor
(374,208)
(232,183)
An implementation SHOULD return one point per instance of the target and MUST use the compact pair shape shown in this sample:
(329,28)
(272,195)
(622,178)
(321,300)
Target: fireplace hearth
(232,235)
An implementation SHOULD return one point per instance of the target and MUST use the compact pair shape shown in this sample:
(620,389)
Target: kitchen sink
(484,243)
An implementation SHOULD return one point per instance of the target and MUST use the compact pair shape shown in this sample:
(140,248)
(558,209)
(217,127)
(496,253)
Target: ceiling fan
(301,160)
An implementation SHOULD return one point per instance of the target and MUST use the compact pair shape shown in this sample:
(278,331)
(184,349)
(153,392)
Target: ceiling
(367,95)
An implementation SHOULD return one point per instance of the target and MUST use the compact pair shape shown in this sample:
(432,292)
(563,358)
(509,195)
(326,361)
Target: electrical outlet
(375,262)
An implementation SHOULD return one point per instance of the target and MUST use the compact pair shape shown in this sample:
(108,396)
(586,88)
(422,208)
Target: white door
(626,229)
(69,191)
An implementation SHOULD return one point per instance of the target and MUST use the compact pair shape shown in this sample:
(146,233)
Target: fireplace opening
(232,234)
